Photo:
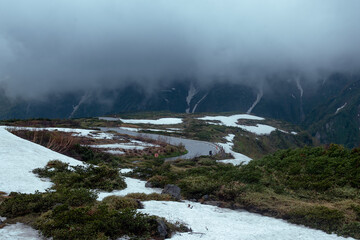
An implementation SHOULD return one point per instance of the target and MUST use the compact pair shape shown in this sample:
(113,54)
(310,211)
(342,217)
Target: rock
(162,228)
(213,203)
(172,190)
(2,224)
(206,197)
(139,203)
(148,184)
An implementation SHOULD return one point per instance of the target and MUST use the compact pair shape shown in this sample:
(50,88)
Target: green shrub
(319,217)
(20,204)
(149,197)
(306,168)
(100,177)
(230,191)
(197,186)
(101,221)
(207,162)
(159,181)
(350,230)
(356,209)
(118,203)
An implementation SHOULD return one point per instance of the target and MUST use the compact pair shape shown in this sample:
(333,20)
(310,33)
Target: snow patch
(257,100)
(259,129)
(238,157)
(160,121)
(170,130)
(130,145)
(19,231)
(131,129)
(133,186)
(115,152)
(298,85)
(196,105)
(210,222)
(82,100)
(191,93)
(231,121)
(339,109)
(76,132)
(158,130)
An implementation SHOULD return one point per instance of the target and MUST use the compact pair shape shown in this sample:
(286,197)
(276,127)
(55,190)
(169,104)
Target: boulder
(206,197)
(148,184)
(162,228)
(172,190)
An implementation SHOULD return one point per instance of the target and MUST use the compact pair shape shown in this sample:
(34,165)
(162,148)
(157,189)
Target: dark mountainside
(329,110)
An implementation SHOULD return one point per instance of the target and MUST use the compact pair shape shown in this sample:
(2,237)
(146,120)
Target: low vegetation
(100,177)
(75,214)
(314,186)
(70,209)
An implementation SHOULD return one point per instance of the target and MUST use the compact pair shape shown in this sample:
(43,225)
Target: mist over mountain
(81,46)
(295,60)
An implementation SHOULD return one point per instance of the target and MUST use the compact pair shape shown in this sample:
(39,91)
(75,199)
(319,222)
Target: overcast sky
(67,45)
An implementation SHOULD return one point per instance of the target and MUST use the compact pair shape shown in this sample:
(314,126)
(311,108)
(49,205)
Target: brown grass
(59,142)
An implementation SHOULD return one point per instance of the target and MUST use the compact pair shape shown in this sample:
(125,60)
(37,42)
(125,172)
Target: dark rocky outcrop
(172,190)
(162,228)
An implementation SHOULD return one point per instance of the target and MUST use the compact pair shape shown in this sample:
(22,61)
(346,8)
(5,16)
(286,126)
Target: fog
(61,46)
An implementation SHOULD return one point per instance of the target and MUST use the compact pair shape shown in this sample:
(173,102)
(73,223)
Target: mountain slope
(327,108)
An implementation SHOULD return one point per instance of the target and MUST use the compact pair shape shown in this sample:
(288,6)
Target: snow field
(214,223)
(18,157)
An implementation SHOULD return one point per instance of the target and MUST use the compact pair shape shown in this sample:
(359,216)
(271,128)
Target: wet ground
(195,148)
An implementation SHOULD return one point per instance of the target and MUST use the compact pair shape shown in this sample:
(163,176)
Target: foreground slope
(18,158)
(208,222)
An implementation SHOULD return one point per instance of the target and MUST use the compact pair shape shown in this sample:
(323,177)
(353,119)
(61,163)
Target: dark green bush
(117,202)
(306,168)
(96,222)
(151,196)
(100,177)
(198,186)
(319,217)
(350,230)
(20,204)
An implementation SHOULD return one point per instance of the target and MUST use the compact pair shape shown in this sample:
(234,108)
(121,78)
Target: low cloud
(80,45)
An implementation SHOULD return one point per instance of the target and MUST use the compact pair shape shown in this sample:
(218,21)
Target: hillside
(312,105)
(89,213)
